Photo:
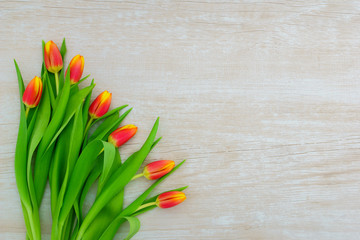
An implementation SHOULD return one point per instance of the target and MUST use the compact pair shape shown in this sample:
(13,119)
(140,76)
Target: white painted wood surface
(262,98)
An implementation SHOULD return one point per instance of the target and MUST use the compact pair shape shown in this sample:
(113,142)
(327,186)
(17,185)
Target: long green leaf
(21,149)
(134,228)
(81,171)
(42,163)
(63,49)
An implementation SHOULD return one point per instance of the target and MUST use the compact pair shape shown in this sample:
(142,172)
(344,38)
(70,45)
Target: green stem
(88,125)
(146,205)
(57,83)
(137,176)
(27,111)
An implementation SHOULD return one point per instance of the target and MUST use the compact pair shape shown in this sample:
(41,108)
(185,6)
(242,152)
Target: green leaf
(134,228)
(86,109)
(119,179)
(95,173)
(42,163)
(21,148)
(63,49)
(59,164)
(42,116)
(81,171)
(108,163)
(80,81)
(110,113)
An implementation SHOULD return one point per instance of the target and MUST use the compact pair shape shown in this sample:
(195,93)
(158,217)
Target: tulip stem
(57,82)
(88,126)
(146,205)
(137,176)
(27,111)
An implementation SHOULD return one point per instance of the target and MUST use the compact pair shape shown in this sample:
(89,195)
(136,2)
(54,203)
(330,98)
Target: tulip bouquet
(72,144)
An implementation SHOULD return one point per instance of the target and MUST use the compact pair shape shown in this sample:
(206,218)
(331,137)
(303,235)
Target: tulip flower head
(122,135)
(170,199)
(100,105)
(32,93)
(52,57)
(76,67)
(157,169)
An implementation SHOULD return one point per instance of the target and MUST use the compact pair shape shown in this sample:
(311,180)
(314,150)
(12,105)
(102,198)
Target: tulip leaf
(42,116)
(63,49)
(80,81)
(86,109)
(109,113)
(119,179)
(32,115)
(95,173)
(81,171)
(21,146)
(107,164)
(42,163)
(134,226)
(59,165)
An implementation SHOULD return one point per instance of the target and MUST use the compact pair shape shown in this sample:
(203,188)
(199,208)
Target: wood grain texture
(262,98)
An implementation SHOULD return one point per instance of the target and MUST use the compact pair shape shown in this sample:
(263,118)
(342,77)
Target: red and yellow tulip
(157,169)
(52,57)
(170,199)
(100,105)
(122,135)
(76,67)
(32,93)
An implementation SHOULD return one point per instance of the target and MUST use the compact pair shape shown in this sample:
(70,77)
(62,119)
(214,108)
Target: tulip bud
(32,93)
(100,105)
(158,169)
(76,68)
(170,199)
(52,57)
(122,135)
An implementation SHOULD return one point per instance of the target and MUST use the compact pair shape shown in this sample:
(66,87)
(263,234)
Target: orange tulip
(76,68)
(122,135)
(52,57)
(170,199)
(32,93)
(157,169)
(100,105)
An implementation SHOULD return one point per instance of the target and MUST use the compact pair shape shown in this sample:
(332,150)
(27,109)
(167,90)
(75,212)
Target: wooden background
(261,97)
